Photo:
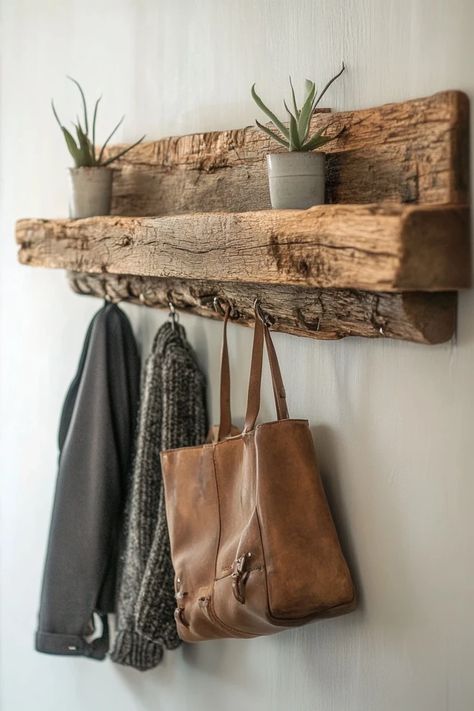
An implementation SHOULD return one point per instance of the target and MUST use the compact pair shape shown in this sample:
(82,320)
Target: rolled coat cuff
(71,645)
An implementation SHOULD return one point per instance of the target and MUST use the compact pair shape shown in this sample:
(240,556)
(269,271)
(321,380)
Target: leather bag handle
(279,392)
(261,336)
(225,420)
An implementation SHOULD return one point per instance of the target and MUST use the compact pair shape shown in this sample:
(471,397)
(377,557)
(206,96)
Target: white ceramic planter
(296,179)
(91,192)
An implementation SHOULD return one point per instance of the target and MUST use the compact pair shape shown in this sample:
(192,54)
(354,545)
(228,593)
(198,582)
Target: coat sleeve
(95,439)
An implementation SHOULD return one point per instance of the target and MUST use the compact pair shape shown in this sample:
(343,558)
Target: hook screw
(173,314)
(221,306)
(268,320)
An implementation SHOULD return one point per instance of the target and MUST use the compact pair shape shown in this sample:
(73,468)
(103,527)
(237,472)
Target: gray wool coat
(95,441)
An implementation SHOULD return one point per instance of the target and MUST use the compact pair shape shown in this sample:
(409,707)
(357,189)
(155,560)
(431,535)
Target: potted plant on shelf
(91,177)
(297,177)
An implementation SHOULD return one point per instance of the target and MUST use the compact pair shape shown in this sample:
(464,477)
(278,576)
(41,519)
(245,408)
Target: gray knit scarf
(172,414)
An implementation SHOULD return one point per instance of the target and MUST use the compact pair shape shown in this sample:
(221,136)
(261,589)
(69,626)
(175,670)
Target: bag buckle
(239,576)
(179,611)
(179,594)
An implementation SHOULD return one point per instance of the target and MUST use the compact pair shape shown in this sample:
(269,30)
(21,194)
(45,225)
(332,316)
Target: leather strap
(279,392)
(261,336)
(253,398)
(225,421)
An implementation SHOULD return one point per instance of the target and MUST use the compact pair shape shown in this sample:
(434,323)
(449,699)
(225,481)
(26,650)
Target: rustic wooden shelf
(364,266)
(371,247)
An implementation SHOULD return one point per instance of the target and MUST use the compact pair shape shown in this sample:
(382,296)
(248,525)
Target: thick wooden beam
(369,247)
(191,218)
(321,314)
(410,152)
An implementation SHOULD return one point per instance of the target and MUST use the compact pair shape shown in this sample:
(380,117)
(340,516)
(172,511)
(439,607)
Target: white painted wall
(394,422)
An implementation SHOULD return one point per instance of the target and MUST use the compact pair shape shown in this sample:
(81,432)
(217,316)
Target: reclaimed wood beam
(370,247)
(414,151)
(322,314)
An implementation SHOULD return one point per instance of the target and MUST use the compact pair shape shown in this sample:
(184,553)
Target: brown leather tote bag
(253,543)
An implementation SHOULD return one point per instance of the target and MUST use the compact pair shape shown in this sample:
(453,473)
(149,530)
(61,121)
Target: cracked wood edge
(370,247)
(321,314)
(410,152)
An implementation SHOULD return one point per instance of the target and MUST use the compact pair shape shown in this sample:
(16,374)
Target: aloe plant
(295,136)
(82,148)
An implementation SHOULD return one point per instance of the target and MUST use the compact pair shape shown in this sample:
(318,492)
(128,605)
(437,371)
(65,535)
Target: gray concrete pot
(296,179)
(91,192)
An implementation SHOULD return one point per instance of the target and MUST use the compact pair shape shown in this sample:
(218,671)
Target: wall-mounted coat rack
(191,220)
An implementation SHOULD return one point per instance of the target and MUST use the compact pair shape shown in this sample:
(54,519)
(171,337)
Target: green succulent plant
(295,136)
(82,148)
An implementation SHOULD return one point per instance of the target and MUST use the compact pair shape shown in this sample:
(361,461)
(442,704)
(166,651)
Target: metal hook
(111,298)
(221,310)
(217,306)
(268,320)
(173,315)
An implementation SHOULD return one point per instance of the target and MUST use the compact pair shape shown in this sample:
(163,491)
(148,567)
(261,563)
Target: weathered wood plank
(410,152)
(321,314)
(370,247)
(320,272)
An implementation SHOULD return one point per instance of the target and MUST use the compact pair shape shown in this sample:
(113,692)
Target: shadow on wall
(371,519)
(220,657)
(326,448)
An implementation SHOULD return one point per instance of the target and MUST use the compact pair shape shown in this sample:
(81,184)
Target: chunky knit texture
(172,414)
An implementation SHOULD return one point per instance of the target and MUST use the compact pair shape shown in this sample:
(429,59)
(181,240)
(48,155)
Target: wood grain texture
(410,152)
(317,313)
(370,247)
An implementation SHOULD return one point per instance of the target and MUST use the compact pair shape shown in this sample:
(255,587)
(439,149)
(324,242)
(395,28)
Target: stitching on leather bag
(214,466)
(229,439)
(210,607)
(213,616)
(217,619)
(257,516)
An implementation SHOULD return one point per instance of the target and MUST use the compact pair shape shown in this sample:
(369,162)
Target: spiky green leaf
(306,111)
(316,142)
(336,76)
(94,119)
(84,104)
(294,141)
(308,85)
(73,148)
(272,135)
(56,115)
(320,139)
(122,153)
(101,154)
(288,111)
(85,147)
(274,119)
(293,97)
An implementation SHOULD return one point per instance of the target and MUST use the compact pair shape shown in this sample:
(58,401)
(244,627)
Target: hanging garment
(172,414)
(95,439)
